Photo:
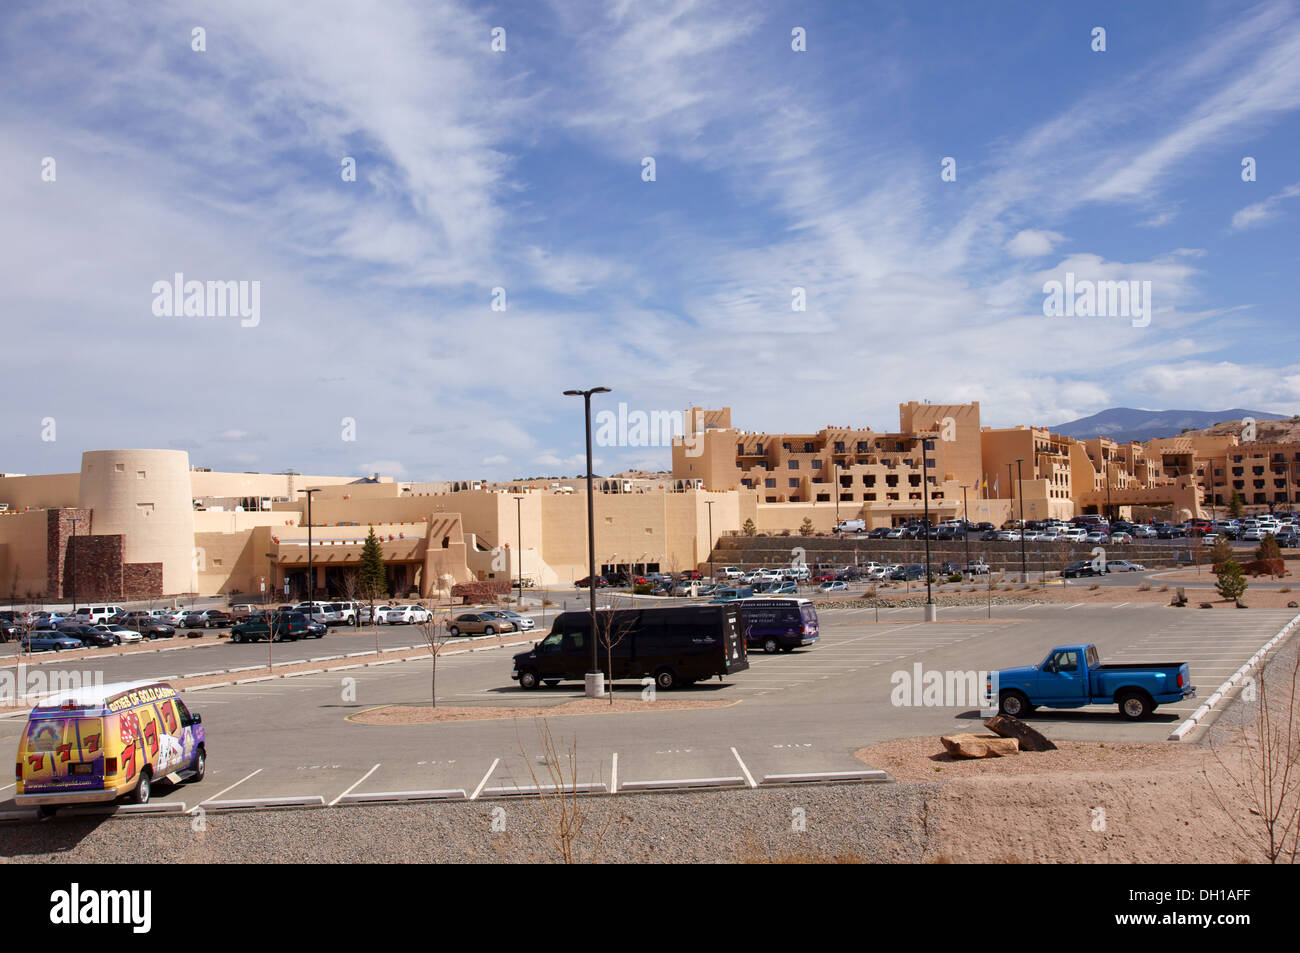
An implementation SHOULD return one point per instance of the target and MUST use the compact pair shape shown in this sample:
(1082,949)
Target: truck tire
(1134,706)
(528,679)
(237,637)
(200,765)
(666,679)
(771,646)
(1014,703)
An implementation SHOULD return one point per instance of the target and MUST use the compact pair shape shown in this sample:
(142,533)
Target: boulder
(969,745)
(1029,738)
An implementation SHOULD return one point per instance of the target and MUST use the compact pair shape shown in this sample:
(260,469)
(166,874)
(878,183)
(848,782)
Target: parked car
(50,641)
(908,573)
(1123,565)
(123,634)
(479,623)
(522,623)
(405,615)
(277,628)
(92,615)
(979,567)
(585,582)
(731,594)
(148,626)
(207,619)
(1072,676)
(89,634)
(1082,567)
(832,586)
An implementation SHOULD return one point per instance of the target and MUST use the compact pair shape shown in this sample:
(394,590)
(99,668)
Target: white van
(94,615)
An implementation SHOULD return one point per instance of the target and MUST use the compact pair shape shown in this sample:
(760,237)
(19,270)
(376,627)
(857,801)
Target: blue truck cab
(1072,676)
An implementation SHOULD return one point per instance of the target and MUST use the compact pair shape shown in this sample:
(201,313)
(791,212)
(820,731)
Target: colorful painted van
(101,742)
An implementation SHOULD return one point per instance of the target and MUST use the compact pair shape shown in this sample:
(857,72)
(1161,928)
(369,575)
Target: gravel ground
(865,823)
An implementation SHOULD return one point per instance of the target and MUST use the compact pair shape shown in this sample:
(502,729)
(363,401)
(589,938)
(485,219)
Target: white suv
(94,615)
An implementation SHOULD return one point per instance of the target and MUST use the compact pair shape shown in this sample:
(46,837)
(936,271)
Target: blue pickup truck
(1072,676)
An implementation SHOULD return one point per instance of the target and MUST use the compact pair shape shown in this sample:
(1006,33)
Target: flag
(995,486)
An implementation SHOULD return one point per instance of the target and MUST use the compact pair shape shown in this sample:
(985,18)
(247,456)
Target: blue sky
(522,169)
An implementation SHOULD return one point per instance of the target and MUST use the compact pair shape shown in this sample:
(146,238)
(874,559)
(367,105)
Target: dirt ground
(1085,803)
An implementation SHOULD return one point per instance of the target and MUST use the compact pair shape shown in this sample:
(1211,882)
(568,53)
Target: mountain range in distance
(1125,424)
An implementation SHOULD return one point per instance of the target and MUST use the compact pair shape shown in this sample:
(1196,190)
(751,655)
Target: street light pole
(519,542)
(965,526)
(311,573)
(709,504)
(836,490)
(1020,492)
(930,610)
(595,678)
(72,551)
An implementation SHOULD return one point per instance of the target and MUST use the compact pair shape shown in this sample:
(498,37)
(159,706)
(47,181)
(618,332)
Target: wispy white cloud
(1261,212)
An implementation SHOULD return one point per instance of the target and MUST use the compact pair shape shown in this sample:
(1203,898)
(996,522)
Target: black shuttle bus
(676,646)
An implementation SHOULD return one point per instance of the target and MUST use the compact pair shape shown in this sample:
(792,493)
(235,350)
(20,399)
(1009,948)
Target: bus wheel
(45,811)
(771,647)
(528,679)
(666,679)
(142,789)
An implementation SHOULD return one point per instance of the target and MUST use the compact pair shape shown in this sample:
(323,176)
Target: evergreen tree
(373,580)
(1268,548)
(749,528)
(806,529)
(1220,552)
(1235,507)
(1232,581)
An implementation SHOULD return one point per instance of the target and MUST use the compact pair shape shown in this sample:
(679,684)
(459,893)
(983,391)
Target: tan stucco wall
(22,553)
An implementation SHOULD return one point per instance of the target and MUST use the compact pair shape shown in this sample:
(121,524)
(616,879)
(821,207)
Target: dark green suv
(281,626)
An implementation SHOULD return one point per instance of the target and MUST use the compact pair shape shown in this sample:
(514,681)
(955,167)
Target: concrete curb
(1201,717)
(305,800)
(669,785)
(452,794)
(814,777)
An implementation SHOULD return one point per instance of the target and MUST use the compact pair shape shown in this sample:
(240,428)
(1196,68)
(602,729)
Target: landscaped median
(327,663)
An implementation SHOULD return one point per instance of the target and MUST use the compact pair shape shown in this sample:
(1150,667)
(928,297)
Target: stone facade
(96,567)
(142,581)
(60,524)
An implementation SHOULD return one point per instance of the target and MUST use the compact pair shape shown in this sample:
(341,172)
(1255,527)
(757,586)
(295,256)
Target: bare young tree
(435,635)
(1267,767)
(612,627)
(565,808)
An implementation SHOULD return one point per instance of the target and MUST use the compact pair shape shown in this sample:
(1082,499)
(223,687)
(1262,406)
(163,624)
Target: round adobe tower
(145,495)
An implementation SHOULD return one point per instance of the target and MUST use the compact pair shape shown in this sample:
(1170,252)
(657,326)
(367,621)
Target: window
(769,483)
(119,468)
(139,474)
(817,464)
(793,465)
(807,447)
(794,482)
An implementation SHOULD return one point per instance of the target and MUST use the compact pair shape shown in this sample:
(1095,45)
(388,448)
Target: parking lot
(801,714)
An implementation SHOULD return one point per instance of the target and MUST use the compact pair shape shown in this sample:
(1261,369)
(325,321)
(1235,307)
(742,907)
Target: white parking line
(479,790)
(223,791)
(748,777)
(354,784)
(613,775)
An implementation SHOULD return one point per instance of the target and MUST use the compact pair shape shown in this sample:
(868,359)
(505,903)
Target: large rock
(968,745)
(1030,739)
